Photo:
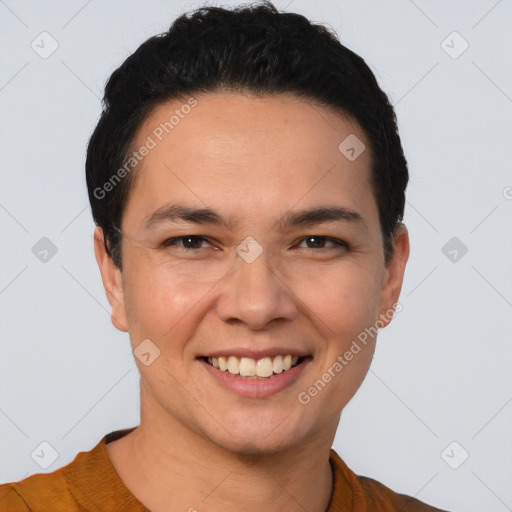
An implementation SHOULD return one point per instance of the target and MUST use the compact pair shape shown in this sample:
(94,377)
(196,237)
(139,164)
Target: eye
(187,242)
(318,242)
(194,242)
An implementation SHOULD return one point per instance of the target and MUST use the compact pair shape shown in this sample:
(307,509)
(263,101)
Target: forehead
(245,121)
(243,151)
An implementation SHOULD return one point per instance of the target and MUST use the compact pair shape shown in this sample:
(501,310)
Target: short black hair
(252,49)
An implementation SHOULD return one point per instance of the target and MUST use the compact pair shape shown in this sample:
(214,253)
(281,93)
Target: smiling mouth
(263,368)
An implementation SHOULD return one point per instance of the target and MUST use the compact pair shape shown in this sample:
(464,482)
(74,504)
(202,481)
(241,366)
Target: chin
(262,437)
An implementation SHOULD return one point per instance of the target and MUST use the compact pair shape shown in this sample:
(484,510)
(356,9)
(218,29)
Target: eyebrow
(319,215)
(306,217)
(178,212)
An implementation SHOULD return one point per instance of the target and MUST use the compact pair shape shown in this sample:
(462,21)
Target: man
(247,181)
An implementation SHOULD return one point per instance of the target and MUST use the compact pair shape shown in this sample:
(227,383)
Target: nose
(255,295)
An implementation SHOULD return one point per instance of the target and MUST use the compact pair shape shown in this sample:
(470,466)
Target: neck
(163,461)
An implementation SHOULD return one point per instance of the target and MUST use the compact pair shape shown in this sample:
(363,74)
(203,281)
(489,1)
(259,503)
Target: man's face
(302,289)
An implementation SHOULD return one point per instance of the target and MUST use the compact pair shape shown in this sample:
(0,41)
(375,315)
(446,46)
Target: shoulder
(71,488)
(364,493)
(11,500)
(378,495)
(35,492)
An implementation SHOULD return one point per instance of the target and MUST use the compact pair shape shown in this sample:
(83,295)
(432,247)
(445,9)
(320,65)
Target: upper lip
(256,354)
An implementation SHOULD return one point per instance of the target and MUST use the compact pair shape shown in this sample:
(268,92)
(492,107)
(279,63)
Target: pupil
(191,241)
(314,241)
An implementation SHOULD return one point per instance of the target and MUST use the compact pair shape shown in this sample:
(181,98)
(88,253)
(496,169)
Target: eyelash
(339,243)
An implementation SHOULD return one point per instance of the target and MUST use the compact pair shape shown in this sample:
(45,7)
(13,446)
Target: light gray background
(442,369)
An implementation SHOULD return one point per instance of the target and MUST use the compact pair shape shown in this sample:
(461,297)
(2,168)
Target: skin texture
(252,159)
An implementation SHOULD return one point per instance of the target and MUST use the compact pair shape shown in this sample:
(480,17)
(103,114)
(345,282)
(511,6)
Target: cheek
(160,300)
(341,300)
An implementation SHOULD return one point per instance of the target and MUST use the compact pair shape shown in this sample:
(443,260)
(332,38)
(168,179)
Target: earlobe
(112,282)
(394,275)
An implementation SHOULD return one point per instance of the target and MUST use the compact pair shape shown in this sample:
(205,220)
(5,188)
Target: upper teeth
(247,367)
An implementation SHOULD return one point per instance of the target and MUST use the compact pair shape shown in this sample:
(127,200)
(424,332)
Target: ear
(394,275)
(112,282)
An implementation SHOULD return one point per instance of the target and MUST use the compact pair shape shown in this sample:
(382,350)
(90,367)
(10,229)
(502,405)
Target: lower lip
(257,388)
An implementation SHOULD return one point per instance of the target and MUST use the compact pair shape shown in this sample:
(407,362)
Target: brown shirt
(91,483)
